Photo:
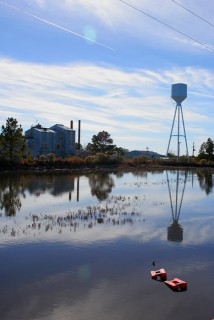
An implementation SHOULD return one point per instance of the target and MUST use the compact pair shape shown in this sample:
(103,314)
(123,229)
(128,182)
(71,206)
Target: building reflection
(101,185)
(78,190)
(15,187)
(55,185)
(175,230)
(12,189)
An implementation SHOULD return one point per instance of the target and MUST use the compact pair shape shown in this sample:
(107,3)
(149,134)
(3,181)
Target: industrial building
(57,139)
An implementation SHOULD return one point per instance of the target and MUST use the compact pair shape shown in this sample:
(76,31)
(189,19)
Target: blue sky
(110,66)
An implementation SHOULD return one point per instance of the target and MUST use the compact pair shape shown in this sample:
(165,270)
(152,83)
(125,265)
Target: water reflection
(175,230)
(114,212)
(135,207)
(101,185)
(13,188)
(205,179)
(10,192)
(54,184)
(91,259)
(10,202)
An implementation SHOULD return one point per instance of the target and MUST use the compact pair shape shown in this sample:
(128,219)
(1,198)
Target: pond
(83,246)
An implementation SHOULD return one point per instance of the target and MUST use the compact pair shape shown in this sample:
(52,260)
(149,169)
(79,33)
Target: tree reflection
(205,179)
(119,174)
(140,173)
(101,185)
(9,198)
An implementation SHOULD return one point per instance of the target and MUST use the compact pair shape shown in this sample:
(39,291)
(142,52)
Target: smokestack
(71,125)
(79,124)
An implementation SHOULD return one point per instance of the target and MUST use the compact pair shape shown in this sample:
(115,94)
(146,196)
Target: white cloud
(103,97)
(111,18)
(40,3)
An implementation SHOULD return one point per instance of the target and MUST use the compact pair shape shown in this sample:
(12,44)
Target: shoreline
(105,169)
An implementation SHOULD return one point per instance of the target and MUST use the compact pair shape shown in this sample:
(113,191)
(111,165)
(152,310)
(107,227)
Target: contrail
(55,25)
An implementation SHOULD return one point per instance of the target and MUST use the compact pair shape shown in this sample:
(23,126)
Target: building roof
(149,154)
(61,126)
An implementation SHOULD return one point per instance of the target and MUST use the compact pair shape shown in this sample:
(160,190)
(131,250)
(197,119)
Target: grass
(99,161)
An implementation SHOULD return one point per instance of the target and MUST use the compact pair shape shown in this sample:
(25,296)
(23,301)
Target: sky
(110,64)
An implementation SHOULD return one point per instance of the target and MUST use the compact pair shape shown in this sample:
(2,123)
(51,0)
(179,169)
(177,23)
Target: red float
(159,274)
(176,284)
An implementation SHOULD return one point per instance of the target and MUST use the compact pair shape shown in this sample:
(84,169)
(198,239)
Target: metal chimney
(79,129)
(71,125)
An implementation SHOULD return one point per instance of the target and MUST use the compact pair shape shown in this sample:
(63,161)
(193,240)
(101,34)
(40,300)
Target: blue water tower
(178,94)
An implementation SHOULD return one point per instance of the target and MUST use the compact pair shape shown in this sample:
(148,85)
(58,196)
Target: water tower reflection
(175,230)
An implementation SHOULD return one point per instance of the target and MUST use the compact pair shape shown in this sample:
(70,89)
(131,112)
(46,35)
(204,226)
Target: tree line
(13,144)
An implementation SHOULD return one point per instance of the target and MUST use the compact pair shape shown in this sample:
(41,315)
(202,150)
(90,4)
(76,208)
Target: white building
(57,139)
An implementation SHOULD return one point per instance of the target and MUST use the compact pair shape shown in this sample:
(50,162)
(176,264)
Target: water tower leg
(178,137)
(171,132)
(176,197)
(170,196)
(184,133)
(182,196)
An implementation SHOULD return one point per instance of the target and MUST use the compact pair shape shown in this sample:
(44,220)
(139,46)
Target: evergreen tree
(206,150)
(12,142)
(101,142)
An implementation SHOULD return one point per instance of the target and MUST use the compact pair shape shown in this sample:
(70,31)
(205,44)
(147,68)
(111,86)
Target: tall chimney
(79,124)
(71,125)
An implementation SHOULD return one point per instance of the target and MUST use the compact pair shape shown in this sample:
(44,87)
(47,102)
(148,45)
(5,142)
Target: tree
(78,146)
(206,150)
(12,142)
(171,155)
(101,143)
(121,151)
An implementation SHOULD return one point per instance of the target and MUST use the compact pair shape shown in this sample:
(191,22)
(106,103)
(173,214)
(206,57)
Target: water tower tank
(179,92)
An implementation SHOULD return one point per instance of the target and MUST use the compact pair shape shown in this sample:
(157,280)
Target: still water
(82,247)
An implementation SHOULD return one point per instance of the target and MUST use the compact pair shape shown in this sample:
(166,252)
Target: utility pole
(193,149)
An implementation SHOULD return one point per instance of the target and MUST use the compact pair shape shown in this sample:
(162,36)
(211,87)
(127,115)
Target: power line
(195,14)
(167,25)
(54,25)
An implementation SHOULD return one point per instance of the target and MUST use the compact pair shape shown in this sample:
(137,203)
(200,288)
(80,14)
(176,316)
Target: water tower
(178,94)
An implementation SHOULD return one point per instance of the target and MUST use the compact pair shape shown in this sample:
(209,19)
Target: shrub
(91,160)
(51,157)
(75,161)
(129,162)
(140,160)
(211,163)
(157,160)
(28,161)
(203,162)
(102,158)
(42,158)
(192,160)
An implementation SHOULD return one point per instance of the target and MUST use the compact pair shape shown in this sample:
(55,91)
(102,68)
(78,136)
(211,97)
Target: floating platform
(159,274)
(176,284)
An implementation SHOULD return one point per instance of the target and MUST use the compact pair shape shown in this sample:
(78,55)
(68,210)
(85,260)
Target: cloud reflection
(132,205)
